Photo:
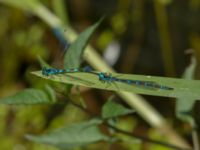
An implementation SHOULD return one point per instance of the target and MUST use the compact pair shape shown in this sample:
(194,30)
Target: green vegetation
(55,111)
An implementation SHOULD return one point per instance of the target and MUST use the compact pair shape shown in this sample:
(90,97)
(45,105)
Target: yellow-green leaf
(181,87)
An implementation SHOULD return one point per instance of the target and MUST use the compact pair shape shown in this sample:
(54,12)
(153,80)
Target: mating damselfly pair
(107,78)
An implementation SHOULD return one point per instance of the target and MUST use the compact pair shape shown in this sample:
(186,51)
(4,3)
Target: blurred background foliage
(137,37)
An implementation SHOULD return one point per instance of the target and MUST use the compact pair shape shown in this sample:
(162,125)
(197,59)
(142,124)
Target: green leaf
(27,96)
(184,104)
(112,109)
(78,134)
(73,57)
(181,87)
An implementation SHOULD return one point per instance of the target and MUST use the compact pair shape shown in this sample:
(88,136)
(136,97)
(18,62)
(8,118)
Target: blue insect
(108,78)
(54,71)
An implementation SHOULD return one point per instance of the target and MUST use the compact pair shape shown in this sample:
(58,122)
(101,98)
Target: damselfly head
(45,71)
(101,76)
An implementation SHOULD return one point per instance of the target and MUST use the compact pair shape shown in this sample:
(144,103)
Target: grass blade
(181,87)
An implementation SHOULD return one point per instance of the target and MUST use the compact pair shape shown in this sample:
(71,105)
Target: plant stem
(195,140)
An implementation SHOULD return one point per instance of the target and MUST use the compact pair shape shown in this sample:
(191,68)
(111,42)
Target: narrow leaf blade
(73,57)
(181,87)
